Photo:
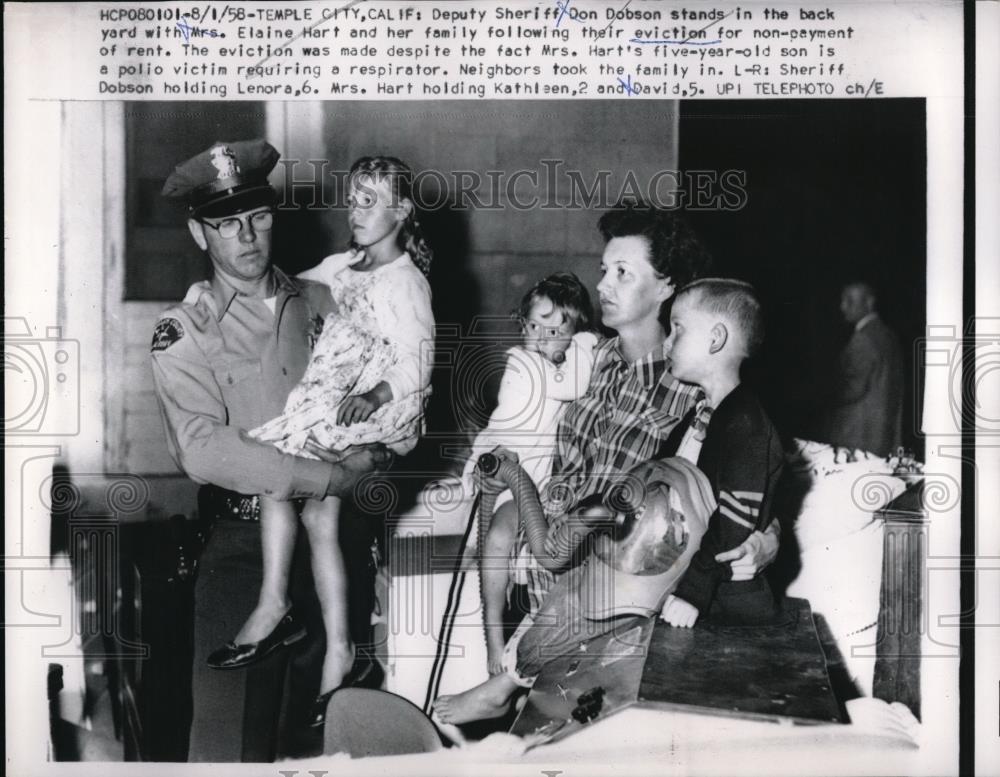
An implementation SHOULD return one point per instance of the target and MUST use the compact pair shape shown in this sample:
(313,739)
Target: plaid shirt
(628,411)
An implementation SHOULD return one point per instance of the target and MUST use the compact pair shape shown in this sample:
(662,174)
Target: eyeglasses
(228,228)
(536,329)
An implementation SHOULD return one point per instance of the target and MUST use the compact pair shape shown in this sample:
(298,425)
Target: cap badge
(224,160)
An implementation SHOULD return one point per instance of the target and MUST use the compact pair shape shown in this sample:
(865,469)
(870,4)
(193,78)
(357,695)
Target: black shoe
(233,656)
(365,673)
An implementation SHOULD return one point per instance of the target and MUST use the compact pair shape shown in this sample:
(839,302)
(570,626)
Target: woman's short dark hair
(675,250)
(568,294)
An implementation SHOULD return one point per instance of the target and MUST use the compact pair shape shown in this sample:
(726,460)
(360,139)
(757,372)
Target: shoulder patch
(168,331)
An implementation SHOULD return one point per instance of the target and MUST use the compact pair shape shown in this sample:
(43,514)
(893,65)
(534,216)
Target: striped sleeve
(741,507)
(744,462)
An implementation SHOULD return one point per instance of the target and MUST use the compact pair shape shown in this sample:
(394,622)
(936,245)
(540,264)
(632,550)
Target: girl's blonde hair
(399,177)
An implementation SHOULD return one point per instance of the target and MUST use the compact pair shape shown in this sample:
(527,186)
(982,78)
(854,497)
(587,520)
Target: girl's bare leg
(278,528)
(493,578)
(321,519)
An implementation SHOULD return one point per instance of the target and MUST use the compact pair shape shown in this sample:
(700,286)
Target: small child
(550,369)
(365,383)
(715,325)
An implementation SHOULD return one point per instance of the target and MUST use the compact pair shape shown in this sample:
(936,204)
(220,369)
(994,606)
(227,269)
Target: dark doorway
(835,191)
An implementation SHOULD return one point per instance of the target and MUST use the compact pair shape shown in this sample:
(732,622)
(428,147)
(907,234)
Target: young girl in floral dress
(366,382)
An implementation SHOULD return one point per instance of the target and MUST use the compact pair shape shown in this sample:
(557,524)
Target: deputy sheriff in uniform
(224,361)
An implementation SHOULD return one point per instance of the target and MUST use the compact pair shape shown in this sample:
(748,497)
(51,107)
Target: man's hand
(756,553)
(351,465)
(678,612)
(321,453)
(382,455)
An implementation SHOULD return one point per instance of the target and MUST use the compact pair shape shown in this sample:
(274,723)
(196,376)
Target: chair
(363,722)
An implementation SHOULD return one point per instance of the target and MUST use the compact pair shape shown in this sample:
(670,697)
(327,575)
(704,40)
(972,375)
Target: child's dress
(381,330)
(533,393)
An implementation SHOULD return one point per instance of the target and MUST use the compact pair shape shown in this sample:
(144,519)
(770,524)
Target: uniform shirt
(622,421)
(224,363)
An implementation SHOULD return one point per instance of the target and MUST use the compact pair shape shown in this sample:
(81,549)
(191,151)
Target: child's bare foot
(487,700)
(262,621)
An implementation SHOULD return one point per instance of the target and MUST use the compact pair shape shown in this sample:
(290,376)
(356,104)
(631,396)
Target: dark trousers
(239,714)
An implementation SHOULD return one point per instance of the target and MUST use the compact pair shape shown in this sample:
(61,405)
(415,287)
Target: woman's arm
(514,400)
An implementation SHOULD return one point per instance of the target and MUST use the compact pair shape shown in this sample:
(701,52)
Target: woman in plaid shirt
(631,406)
(633,401)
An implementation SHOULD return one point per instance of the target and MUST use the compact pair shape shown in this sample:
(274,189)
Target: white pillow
(840,544)
(809,454)
(841,489)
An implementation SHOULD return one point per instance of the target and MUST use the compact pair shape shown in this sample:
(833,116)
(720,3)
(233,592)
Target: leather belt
(229,505)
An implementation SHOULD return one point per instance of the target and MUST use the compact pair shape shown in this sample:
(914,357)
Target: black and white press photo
(543,432)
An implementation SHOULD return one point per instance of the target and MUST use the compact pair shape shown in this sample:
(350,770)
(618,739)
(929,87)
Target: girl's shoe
(233,656)
(365,673)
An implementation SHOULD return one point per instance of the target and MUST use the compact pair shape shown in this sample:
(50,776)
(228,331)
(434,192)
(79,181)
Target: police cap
(225,179)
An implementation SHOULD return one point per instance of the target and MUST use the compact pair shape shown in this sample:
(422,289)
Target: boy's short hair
(568,294)
(675,250)
(736,300)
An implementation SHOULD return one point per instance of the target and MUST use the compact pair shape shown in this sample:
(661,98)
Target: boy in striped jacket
(715,325)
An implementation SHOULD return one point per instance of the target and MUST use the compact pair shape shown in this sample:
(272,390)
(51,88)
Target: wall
(485,259)
(857,211)
(489,257)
